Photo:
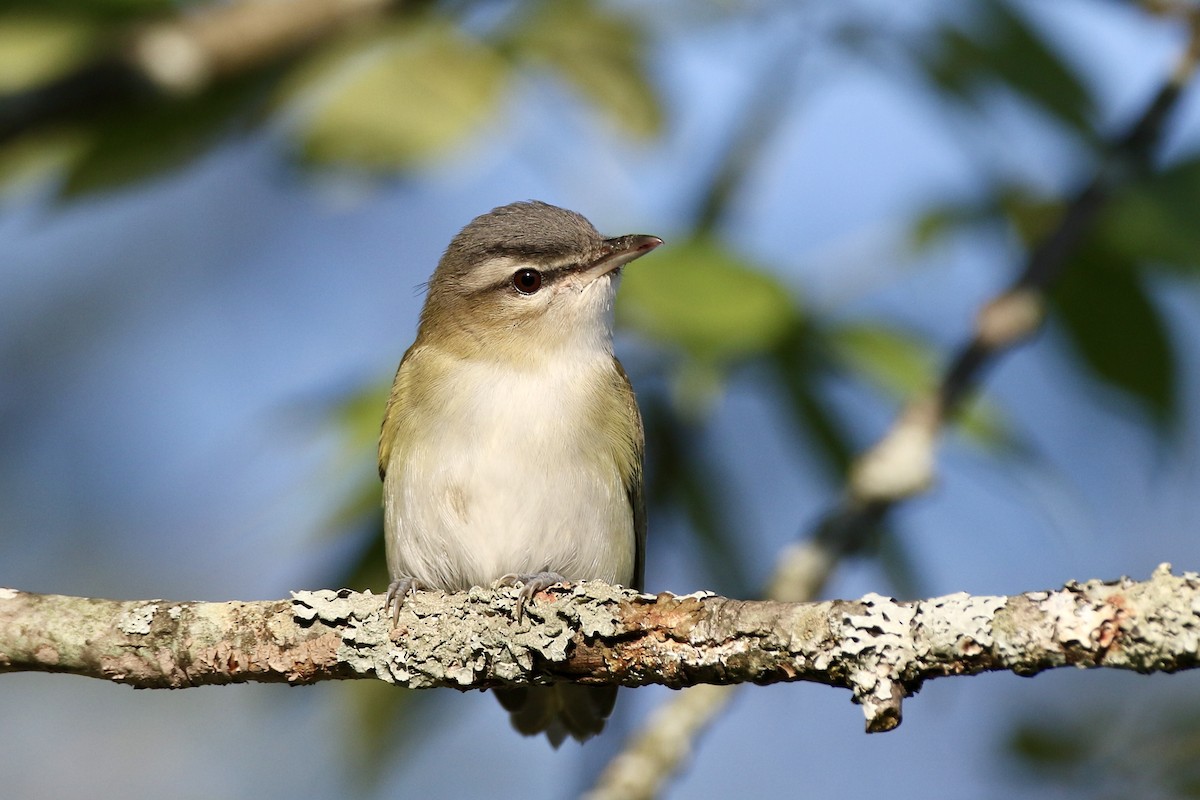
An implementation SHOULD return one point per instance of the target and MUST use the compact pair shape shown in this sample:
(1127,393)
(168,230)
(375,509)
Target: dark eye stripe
(549,277)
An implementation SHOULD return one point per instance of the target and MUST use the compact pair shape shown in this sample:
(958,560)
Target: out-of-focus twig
(181,57)
(902,463)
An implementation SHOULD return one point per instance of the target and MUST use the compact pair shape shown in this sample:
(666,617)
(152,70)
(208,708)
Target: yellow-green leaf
(705,299)
(393,100)
(903,366)
(37,48)
(597,50)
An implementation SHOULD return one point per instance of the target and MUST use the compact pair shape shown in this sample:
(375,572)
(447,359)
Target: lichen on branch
(881,649)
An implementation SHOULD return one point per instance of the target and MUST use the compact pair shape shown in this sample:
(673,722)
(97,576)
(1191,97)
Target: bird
(511,449)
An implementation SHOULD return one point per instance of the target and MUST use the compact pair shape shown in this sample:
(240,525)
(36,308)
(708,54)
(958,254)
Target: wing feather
(633,477)
(397,401)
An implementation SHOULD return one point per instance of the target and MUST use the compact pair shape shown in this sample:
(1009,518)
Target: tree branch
(880,649)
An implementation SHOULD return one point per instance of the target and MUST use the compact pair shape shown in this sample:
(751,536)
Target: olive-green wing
(633,479)
(397,400)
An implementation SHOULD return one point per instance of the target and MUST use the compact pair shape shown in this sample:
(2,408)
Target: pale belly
(508,483)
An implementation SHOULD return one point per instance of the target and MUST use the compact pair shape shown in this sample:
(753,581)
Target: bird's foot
(531,584)
(397,591)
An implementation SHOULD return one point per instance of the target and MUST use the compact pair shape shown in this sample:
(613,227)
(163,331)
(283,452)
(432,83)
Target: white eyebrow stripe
(498,270)
(491,272)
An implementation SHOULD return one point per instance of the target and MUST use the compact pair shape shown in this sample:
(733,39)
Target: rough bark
(879,648)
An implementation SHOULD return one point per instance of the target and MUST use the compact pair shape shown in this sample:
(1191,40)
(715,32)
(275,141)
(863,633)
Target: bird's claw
(397,591)
(531,584)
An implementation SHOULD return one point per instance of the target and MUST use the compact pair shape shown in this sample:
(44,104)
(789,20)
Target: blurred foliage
(682,475)
(37,47)
(1100,753)
(801,367)
(1104,301)
(998,48)
(396,96)
(901,365)
(1152,222)
(358,417)
(145,141)
(600,52)
(376,98)
(708,301)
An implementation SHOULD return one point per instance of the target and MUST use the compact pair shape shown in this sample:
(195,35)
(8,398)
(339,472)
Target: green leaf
(696,385)
(898,363)
(37,48)
(708,301)
(903,366)
(1154,220)
(396,97)
(1118,332)
(1002,48)
(597,50)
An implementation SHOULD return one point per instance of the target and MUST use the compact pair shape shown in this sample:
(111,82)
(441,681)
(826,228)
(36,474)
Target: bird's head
(526,280)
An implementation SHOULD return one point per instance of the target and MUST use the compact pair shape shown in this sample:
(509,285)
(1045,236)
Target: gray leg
(397,591)
(531,584)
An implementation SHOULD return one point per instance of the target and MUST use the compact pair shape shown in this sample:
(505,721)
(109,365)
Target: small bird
(511,448)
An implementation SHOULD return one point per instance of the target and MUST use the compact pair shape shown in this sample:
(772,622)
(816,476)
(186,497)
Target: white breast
(505,478)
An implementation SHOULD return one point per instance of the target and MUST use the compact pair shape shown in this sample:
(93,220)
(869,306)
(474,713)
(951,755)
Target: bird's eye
(527,281)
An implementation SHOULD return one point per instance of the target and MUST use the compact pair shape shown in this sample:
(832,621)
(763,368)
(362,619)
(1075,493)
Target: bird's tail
(559,710)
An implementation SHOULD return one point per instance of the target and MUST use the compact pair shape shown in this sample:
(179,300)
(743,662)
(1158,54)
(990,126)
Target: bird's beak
(618,252)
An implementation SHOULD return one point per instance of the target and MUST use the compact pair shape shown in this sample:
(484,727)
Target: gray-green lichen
(879,648)
(441,641)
